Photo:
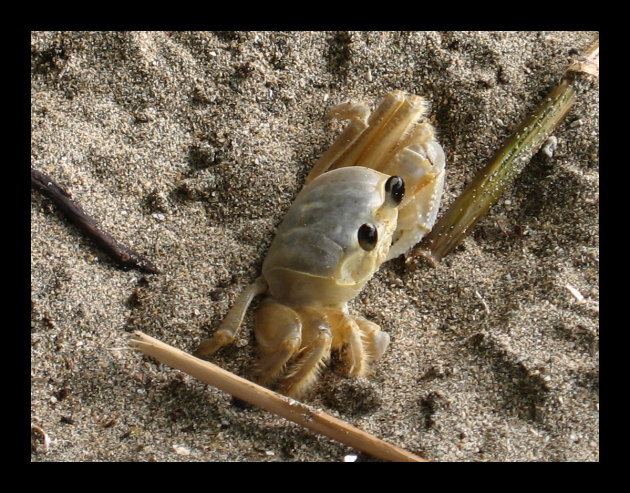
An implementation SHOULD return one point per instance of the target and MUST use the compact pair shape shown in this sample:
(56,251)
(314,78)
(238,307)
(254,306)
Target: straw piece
(271,401)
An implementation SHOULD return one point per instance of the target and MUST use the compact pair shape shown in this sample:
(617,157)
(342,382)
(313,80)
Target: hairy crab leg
(278,331)
(307,369)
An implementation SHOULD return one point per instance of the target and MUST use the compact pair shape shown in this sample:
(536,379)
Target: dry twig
(271,401)
(123,255)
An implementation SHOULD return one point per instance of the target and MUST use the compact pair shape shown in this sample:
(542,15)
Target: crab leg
(357,114)
(389,123)
(381,147)
(232,321)
(374,339)
(384,111)
(307,370)
(278,331)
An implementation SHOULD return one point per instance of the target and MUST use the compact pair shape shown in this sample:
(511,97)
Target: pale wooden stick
(271,401)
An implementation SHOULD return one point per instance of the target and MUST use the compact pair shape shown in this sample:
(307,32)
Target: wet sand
(190,147)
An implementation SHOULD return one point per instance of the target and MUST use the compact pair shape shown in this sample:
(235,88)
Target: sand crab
(371,197)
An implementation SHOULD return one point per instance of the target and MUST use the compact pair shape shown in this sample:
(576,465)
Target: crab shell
(315,258)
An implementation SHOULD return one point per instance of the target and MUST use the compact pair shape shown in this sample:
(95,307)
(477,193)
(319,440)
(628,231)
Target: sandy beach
(190,147)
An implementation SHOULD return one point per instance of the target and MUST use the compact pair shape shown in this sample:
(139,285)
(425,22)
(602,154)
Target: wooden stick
(271,401)
(123,255)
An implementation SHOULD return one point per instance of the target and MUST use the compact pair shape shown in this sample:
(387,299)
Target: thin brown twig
(123,255)
(281,405)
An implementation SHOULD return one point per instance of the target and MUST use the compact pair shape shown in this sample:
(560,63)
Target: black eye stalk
(368,237)
(395,190)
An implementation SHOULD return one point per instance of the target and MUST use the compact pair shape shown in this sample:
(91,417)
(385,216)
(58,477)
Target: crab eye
(368,236)
(395,189)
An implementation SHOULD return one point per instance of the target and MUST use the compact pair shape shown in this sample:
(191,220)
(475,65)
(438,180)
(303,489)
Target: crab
(369,198)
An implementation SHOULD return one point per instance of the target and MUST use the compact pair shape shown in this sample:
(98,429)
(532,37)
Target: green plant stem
(489,183)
